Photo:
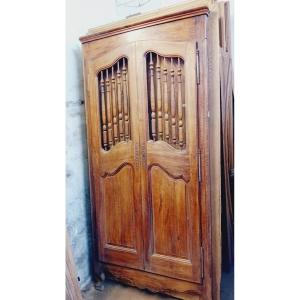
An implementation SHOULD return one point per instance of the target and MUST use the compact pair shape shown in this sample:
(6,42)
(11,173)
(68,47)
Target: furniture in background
(227,136)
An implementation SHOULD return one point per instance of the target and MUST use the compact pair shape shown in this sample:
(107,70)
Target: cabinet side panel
(214,146)
(90,164)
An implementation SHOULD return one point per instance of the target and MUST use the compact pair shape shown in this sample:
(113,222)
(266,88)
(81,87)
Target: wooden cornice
(168,14)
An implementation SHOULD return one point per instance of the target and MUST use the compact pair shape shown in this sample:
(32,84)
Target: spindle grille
(114,104)
(166,101)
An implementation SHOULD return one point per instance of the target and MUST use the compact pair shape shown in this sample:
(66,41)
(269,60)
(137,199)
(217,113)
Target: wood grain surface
(152,87)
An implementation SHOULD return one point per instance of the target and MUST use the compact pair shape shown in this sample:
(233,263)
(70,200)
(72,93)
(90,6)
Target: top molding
(168,14)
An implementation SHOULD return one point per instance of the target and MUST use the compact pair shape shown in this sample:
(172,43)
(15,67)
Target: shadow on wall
(78,218)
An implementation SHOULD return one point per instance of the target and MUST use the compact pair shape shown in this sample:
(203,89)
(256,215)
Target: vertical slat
(152,99)
(119,99)
(180,113)
(103,112)
(197,64)
(158,95)
(108,108)
(114,104)
(166,101)
(125,97)
(173,104)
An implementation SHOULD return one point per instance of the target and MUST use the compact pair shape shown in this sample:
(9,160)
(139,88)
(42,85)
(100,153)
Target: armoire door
(168,138)
(114,155)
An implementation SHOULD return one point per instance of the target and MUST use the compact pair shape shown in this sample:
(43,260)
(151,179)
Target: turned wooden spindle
(152,99)
(119,99)
(173,104)
(114,104)
(159,100)
(166,101)
(108,109)
(180,112)
(103,112)
(125,97)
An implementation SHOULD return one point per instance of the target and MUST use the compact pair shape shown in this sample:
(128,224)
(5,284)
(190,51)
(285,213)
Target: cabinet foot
(99,284)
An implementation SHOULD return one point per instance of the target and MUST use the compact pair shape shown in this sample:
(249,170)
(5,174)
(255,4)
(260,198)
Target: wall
(82,15)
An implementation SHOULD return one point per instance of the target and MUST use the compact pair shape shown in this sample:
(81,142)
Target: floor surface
(116,291)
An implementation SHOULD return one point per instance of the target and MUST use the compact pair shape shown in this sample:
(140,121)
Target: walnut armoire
(152,96)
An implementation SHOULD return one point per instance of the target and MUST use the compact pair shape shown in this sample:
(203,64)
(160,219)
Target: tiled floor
(115,291)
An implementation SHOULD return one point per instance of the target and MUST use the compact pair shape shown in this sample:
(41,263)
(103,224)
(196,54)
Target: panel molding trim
(164,15)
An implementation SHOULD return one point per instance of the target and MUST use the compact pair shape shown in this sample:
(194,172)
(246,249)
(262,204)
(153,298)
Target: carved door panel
(114,145)
(168,138)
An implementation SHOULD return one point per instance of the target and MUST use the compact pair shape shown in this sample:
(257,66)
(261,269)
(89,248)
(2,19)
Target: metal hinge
(202,261)
(143,155)
(197,64)
(199,166)
(136,155)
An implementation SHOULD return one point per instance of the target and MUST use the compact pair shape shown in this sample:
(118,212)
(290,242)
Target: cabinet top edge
(154,17)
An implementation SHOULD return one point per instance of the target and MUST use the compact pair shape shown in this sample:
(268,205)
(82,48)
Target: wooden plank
(72,287)
(215,148)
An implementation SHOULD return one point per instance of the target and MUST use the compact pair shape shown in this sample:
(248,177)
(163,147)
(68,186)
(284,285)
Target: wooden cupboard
(152,95)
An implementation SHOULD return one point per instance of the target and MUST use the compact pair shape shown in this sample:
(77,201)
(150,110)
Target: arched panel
(119,208)
(169,214)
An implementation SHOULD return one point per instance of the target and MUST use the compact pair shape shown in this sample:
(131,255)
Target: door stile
(203,143)
(138,151)
(142,114)
(193,154)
